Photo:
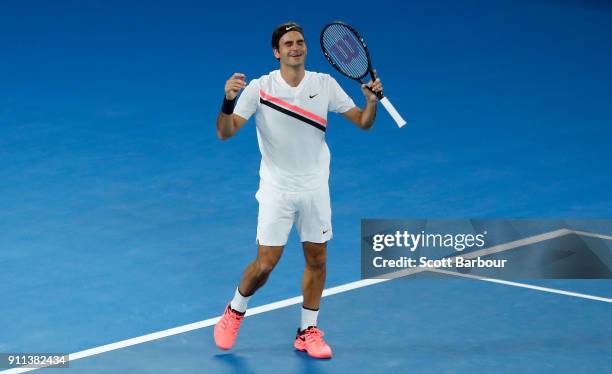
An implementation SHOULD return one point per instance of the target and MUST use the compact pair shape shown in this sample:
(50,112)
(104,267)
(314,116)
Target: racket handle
(393,112)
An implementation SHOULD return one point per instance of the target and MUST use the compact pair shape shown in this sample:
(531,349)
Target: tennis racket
(346,51)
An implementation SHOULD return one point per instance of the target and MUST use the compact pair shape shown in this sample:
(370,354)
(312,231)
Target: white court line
(524,285)
(201,324)
(592,234)
(343,288)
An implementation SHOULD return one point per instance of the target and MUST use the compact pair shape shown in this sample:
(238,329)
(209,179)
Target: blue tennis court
(419,325)
(122,215)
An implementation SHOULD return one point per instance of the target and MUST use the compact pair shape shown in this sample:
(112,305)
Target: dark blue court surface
(403,325)
(122,214)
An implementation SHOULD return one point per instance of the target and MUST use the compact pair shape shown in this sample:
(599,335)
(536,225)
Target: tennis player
(290,107)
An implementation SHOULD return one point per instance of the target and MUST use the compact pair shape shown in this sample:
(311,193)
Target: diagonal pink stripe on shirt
(294,108)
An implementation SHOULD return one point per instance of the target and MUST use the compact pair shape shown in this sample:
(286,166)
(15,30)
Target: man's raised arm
(229,123)
(364,119)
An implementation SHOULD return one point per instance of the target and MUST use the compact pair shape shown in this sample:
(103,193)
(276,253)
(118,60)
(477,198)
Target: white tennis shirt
(291,124)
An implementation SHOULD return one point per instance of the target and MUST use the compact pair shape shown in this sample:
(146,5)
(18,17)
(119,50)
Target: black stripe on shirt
(293,114)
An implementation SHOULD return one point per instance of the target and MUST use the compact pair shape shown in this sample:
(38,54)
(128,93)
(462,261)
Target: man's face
(291,49)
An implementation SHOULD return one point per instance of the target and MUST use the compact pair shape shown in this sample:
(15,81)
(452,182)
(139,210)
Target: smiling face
(291,49)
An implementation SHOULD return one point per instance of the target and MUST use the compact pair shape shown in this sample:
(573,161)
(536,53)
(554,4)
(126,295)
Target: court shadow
(312,365)
(234,363)
(273,349)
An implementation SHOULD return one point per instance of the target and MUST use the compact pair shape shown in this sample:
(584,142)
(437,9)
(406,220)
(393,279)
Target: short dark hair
(282,30)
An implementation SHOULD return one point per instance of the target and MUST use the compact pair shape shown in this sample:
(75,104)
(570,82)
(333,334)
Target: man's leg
(255,275)
(309,338)
(313,280)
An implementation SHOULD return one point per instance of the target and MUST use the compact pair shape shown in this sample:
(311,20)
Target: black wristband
(228,106)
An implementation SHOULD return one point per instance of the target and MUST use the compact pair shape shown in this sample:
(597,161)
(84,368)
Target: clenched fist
(233,85)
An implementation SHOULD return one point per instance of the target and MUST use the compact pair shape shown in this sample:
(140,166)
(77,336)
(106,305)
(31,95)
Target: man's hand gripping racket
(346,51)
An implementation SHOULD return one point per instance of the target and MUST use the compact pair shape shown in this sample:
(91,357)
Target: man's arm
(364,118)
(229,123)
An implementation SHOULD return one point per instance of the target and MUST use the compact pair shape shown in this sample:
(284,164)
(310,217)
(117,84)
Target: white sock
(239,302)
(309,318)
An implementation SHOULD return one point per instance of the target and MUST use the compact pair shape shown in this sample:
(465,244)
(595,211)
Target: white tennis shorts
(279,210)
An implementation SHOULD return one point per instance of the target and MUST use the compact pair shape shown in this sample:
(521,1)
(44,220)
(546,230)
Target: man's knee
(267,259)
(317,262)
(265,266)
(315,255)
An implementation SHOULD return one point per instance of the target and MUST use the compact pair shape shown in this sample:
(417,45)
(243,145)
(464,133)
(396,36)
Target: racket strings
(346,51)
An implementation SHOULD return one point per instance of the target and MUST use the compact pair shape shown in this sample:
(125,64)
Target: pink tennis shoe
(311,341)
(226,330)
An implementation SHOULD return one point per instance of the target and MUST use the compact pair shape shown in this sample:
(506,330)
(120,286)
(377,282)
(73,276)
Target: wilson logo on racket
(345,49)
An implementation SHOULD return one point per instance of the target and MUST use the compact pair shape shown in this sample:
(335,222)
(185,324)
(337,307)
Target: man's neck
(292,75)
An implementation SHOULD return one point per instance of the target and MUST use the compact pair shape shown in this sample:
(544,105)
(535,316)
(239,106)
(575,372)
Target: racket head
(346,50)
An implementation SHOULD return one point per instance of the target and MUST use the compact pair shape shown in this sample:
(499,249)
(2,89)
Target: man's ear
(276,53)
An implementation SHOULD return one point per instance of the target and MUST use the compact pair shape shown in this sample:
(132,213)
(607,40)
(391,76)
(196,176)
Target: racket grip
(393,112)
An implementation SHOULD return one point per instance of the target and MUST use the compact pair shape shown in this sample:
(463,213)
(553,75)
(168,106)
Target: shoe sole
(301,349)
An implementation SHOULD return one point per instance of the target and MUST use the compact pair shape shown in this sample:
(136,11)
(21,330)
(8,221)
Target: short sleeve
(248,100)
(339,101)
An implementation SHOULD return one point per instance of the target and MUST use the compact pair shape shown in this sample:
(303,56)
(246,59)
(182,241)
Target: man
(290,107)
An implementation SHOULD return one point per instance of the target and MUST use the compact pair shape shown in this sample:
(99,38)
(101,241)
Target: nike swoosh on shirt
(311,96)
